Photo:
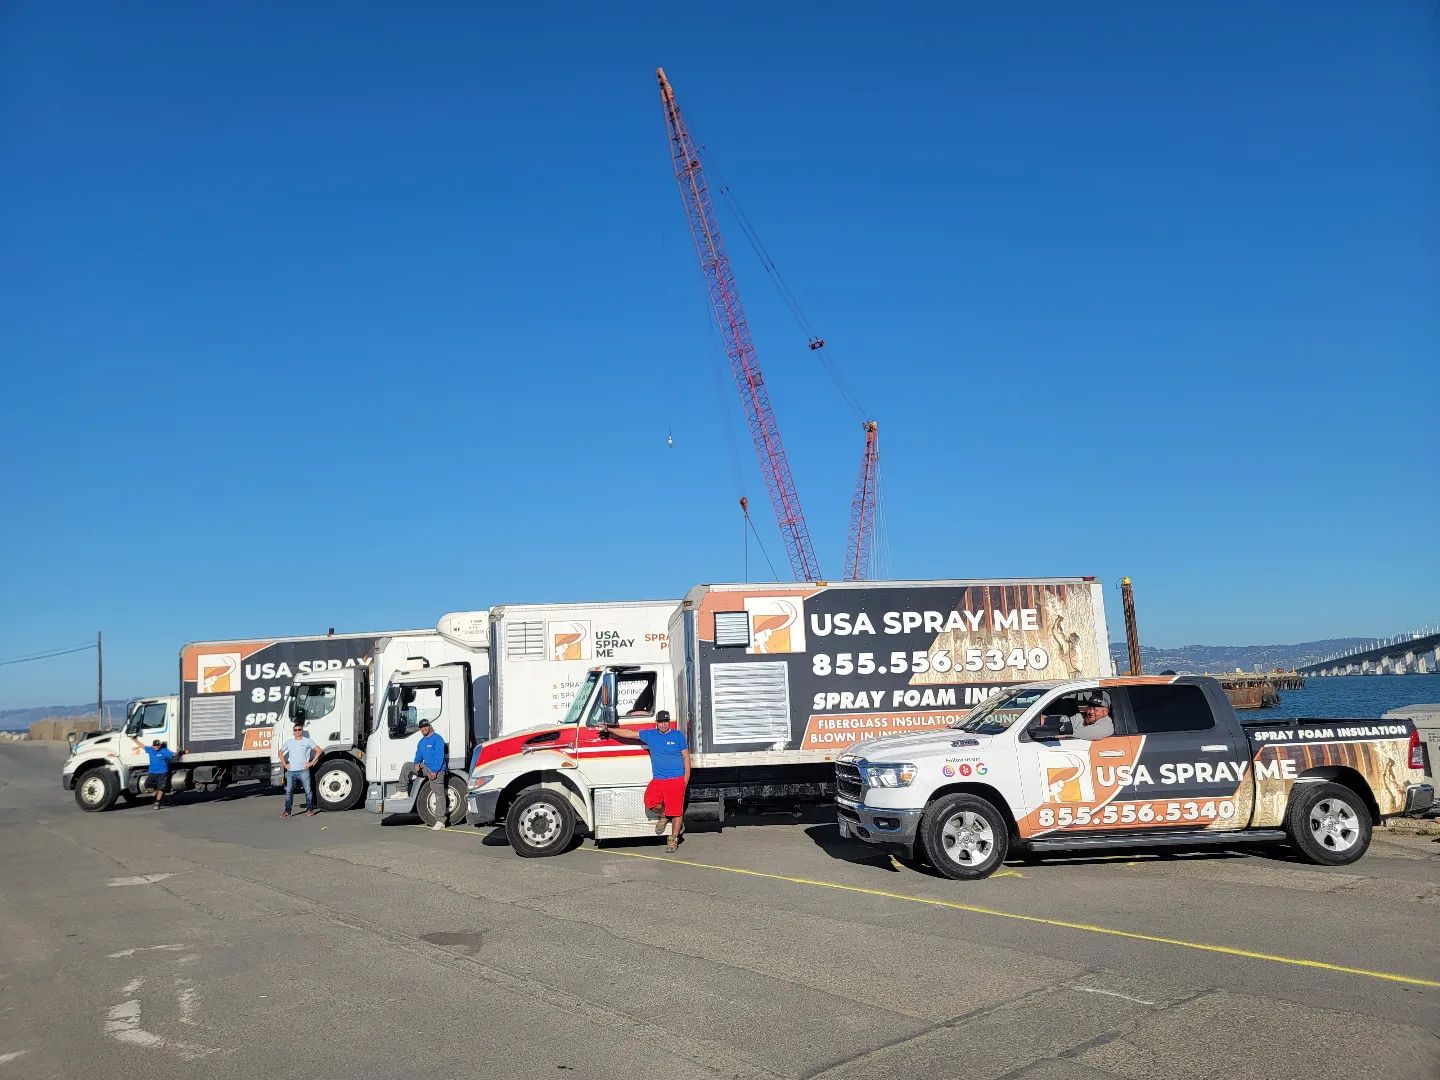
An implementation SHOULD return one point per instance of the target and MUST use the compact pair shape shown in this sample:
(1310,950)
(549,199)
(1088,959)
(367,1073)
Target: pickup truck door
(1194,754)
(1072,784)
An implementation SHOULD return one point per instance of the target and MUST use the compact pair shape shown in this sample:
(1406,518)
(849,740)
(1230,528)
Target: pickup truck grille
(848,783)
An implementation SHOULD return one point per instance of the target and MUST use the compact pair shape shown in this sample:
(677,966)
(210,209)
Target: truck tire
(339,785)
(1329,824)
(964,836)
(540,823)
(96,790)
(427,805)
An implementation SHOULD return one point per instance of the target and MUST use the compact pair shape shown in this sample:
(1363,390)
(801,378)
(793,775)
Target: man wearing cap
(669,770)
(1093,720)
(299,754)
(429,763)
(158,771)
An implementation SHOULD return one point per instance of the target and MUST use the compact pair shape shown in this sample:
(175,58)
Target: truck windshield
(577,707)
(996,715)
(145,716)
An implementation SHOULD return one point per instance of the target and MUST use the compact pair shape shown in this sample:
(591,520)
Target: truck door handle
(1214,748)
(1112,753)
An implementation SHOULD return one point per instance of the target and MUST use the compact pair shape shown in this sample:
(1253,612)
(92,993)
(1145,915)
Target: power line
(48,654)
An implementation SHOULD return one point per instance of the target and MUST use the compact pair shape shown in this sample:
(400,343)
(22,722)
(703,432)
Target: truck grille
(847,782)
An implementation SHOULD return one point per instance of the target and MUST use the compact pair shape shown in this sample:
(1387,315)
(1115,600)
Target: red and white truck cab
(551,782)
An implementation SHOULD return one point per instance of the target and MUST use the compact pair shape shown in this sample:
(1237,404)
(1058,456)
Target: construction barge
(1259,691)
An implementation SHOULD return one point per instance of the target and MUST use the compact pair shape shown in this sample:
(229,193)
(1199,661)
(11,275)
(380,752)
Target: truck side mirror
(607,714)
(292,708)
(394,718)
(1046,729)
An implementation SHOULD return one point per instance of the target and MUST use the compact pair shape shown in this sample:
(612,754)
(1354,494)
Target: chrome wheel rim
(540,824)
(968,838)
(337,786)
(92,789)
(1334,825)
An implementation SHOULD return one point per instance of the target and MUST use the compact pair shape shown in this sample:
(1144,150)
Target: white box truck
(479,675)
(771,683)
(221,723)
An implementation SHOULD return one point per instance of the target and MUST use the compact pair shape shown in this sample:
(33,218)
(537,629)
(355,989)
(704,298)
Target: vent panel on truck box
(525,641)
(212,720)
(749,703)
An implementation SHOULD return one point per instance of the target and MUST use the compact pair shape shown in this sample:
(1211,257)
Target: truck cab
(443,696)
(552,782)
(334,707)
(110,766)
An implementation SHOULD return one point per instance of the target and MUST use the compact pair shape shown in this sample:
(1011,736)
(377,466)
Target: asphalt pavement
(212,938)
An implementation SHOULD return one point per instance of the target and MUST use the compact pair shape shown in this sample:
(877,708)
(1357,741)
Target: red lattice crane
(862,508)
(735,332)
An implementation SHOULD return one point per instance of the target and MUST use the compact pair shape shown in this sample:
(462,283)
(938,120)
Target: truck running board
(1165,839)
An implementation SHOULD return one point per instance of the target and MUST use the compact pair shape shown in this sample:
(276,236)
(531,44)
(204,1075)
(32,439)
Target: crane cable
(817,343)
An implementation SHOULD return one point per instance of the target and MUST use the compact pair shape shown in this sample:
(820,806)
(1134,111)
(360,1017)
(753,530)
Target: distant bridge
(1418,651)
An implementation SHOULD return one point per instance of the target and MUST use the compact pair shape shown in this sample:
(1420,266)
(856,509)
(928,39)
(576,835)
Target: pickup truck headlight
(477,782)
(897,775)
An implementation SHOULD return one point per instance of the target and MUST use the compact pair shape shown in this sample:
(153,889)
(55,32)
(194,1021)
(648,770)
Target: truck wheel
(96,790)
(964,836)
(339,785)
(540,823)
(427,803)
(1328,823)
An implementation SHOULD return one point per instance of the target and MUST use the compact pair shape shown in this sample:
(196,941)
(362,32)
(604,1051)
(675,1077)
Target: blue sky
(349,315)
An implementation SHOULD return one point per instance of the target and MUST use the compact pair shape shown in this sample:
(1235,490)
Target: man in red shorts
(669,769)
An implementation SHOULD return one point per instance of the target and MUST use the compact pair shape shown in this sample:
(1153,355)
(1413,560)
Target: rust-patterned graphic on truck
(817,669)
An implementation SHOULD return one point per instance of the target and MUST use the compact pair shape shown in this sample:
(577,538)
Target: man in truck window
(157,773)
(299,753)
(1092,720)
(429,764)
(669,771)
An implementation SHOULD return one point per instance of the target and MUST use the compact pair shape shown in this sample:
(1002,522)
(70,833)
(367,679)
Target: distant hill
(21,719)
(1215,659)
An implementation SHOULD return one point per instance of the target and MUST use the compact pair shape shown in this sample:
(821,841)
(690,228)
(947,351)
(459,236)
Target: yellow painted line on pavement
(976,909)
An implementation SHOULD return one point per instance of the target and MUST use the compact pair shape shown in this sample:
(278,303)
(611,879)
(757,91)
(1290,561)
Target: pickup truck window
(996,715)
(1169,708)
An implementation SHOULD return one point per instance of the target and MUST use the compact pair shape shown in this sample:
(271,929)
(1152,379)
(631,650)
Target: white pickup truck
(1127,762)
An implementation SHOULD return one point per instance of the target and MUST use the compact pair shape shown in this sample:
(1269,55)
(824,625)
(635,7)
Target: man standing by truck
(429,763)
(299,753)
(158,772)
(669,770)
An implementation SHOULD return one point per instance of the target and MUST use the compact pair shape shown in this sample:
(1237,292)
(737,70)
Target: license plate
(844,829)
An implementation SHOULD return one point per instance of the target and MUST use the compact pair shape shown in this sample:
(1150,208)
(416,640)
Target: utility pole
(100,676)
(1132,635)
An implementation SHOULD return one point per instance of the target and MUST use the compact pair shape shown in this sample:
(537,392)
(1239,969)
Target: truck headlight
(477,782)
(896,775)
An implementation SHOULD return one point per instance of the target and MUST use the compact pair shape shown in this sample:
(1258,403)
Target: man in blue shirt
(157,773)
(669,770)
(299,754)
(429,764)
